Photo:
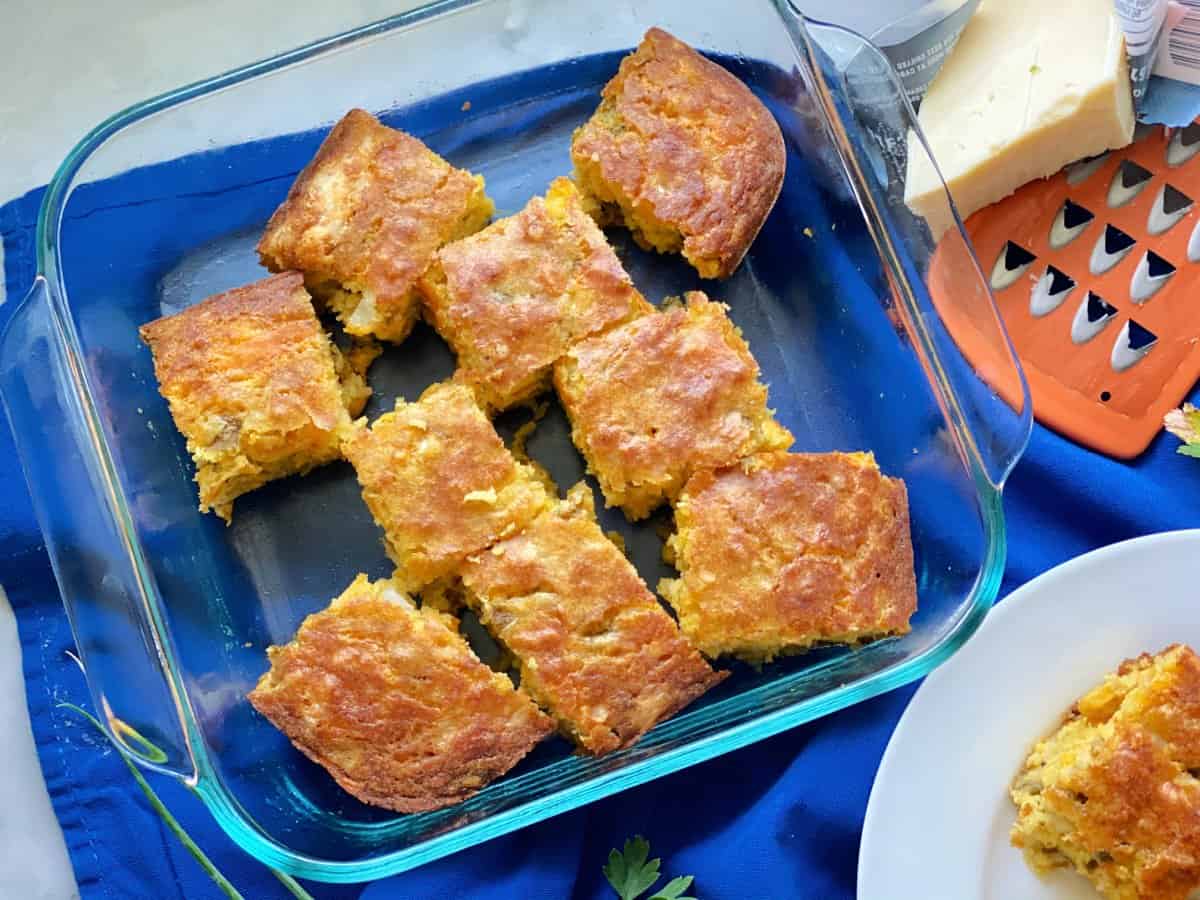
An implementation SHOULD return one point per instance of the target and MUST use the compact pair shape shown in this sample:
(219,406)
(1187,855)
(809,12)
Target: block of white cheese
(1031,86)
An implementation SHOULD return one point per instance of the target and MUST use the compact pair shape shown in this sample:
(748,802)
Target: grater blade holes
(1070,222)
(1050,292)
(1010,265)
(1093,314)
(1151,274)
(1078,173)
(1128,181)
(1131,346)
(1193,247)
(1184,144)
(1168,208)
(1111,247)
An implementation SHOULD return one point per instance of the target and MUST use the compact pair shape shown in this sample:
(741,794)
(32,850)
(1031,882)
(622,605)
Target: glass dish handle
(111,606)
(961,342)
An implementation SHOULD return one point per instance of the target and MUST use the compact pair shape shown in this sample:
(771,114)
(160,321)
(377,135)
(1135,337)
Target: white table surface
(120,53)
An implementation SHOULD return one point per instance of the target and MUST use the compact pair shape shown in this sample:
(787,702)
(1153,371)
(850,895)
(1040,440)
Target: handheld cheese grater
(1096,272)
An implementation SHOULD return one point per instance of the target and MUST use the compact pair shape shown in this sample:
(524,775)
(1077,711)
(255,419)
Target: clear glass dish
(161,205)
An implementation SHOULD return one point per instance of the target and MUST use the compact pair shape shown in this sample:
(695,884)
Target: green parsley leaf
(628,872)
(673,890)
(631,873)
(1190,450)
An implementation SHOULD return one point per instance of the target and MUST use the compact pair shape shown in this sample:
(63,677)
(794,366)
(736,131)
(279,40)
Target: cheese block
(1030,87)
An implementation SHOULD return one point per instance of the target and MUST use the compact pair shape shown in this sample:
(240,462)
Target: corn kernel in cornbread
(662,396)
(683,153)
(392,702)
(352,366)
(252,382)
(594,646)
(1113,792)
(364,218)
(511,299)
(782,551)
(440,482)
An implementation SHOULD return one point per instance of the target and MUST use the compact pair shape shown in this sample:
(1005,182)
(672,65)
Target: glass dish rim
(204,780)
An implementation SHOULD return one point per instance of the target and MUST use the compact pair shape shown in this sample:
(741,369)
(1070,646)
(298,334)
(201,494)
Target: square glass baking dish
(161,205)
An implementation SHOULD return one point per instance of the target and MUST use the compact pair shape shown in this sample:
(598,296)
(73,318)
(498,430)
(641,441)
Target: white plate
(938,819)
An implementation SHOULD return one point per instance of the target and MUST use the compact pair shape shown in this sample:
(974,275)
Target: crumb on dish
(662,396)
(364,218)
(1113,792)
(512,298)
(440,482)
(783,551)
(252,381)
(683,153)
(393,703)
(594,646)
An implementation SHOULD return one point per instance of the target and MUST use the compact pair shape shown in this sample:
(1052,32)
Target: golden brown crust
(393,703)
(251,381)
(511,299)
(595,647)
(1113,791)
(786,550)
(662,396)
(682,145)
(441,484)
(362,221)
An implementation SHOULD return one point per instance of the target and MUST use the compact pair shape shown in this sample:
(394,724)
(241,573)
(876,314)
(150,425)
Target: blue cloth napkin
(779,819)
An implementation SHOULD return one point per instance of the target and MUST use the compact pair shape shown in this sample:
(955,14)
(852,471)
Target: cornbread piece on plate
(594,646)
(511,299)
(782,551)
(252,381)
(364,218)
(1113,792)
(392,702)
(662,396)
(440,482)
(683,153)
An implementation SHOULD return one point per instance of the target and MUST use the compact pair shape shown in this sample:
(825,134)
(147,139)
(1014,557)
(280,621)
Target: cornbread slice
(683,153)
(392,702)
(1113,792)
(440,482)
(253,383)
(362,222)
(662,396)
(511,299)
(782,551)
(594,646)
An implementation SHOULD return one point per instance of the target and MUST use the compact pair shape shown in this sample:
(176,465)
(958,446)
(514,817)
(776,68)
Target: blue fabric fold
(782,818)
